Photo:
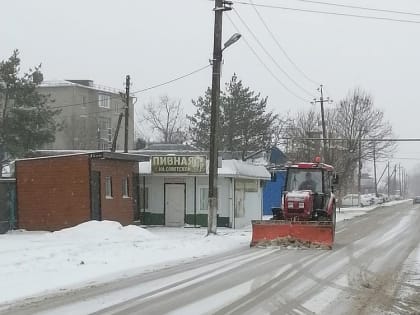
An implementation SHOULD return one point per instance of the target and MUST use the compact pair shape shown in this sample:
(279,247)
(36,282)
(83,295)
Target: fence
(7,204)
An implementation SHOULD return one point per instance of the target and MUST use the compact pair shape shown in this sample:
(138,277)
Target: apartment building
(89,114)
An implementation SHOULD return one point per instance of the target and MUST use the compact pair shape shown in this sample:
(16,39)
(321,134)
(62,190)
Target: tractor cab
(308,192)
(299,179)
(308,207)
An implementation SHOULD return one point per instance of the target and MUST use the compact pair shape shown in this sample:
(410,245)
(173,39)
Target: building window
(108,187)
(251,185)
(125,189)
(104,100)
(144,198)
(247,185)
(116,108)
(204,198)
(104,133)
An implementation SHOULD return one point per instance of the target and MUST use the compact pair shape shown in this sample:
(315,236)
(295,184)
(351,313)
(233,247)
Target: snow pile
(291,243)
(104,231)
(38,262)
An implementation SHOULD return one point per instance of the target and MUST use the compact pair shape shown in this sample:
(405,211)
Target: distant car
(416,199)
(352,200)
(372,198)
(383,198)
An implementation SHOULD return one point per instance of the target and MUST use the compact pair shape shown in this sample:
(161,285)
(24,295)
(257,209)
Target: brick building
(56,192)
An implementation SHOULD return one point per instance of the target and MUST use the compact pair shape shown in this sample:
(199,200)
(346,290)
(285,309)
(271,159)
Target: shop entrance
(174,204)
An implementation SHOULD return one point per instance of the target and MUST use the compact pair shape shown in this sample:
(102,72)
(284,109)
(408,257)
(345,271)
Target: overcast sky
(158,40)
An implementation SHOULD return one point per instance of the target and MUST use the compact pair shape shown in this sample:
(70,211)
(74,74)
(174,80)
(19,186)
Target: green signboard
(189,164)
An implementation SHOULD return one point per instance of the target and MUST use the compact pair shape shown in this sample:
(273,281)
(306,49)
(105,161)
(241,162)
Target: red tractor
(308,207)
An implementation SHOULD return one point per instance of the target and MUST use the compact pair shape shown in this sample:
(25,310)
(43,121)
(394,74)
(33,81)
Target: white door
(174,204)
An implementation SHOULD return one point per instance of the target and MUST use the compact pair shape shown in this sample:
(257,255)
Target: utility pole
(395,179)
(399,178)
(220,6)
(374,169)
(359,176)
(127,104)
(324,131)
(117,129)
(389,181)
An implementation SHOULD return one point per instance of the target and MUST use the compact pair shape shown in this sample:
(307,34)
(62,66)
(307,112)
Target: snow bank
(34,263)
(105,230)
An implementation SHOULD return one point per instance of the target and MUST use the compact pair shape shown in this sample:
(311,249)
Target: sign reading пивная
(179,164)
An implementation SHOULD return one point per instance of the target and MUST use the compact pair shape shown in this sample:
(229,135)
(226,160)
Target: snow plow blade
(309,233)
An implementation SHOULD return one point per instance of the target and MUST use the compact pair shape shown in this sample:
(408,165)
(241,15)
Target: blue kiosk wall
(273,191)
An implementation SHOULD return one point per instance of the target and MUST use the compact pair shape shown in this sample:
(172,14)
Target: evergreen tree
(248,126)
(26,122)
(245,124)
(199,128)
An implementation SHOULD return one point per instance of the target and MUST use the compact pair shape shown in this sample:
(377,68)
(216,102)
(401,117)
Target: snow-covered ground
(35,263)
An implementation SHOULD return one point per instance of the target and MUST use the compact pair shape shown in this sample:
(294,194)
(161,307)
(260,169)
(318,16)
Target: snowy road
(371,270)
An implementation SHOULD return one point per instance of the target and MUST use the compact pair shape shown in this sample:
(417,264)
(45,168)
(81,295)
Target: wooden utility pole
(220,6)
(126,115)
(214,118)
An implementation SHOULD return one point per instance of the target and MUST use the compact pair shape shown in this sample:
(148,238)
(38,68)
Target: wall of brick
(117,208)
(53,193)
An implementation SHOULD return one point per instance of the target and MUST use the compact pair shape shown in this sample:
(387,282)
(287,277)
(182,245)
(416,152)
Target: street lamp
(214,112)
(232,40)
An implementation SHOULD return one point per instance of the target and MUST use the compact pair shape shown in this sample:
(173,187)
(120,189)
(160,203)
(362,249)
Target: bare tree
(362,128)
(167,119)
(359,126)
(304,125)
(279,130)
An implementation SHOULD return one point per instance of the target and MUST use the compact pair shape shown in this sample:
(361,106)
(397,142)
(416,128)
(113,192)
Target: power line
(404,158)
(271,57)
(280,46)
(138,91)
(264,65)
(360,7)
(82,104)
(173,80)
(329,13)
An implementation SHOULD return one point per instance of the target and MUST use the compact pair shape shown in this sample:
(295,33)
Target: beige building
(89,114)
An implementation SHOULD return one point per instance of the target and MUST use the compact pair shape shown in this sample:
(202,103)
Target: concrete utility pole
(324,131)
(359,175)
(127,104)
(220,6)
(374,169)
(389,181)
(399,179)
(395,179)
(117,129)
